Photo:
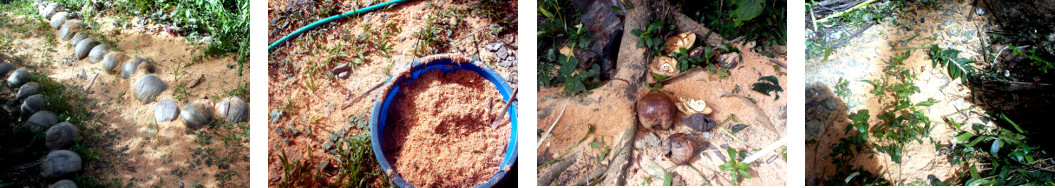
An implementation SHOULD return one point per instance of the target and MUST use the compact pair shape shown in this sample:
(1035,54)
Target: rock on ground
(58,19)
(60,163)
(148,87)
(77,38)
(5,68)
(70,28)
(197,114)
(64,184)
(111,60)
(61,136)
(31,105)
(166,110)
(98,52)
(234,109)
(83,47)
(131,66)
(41,120)
(17,78)
(49,10)
(28,89)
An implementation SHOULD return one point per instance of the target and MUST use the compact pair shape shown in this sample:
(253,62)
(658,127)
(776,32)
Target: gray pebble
(17,78)
(77,38)
(98,52)
(61,136)
(5,68)
(49,10)
(133,65)
(197,114)
(166,110)
(83,47)
(31,88)
(70,28)
(60,163)
(148,87)
(111,60)
(58,19)
(64,184)
(41,120)
(234,109)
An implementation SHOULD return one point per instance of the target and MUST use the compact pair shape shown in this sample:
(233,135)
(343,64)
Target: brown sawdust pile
(442,135)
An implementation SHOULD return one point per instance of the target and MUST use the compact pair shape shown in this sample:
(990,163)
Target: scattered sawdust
(287,77)
(442,136)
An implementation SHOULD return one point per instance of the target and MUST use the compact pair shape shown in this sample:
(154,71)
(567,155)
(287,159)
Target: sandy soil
(766,120)
(325,104)
(953,26)
(140,151)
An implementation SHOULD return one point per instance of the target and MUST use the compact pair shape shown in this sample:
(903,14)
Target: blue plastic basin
(381,107)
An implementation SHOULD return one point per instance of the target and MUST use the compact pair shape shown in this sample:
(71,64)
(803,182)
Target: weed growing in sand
(1006,157)
(841,88)
(768,84)
(651,37)
(736,170)
(956,67)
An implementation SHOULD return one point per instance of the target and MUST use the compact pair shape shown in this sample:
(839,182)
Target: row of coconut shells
(58,136)
(147,86)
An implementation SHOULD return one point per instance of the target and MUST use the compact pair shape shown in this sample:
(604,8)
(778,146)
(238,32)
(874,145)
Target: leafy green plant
(768,84)
(746,10)
(1005,155)
(651,37)
(736,170)
(956,67)
(841,88)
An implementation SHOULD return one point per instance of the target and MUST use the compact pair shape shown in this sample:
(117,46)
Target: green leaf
(742,165)
(747,10)
(964,137)
(668,179)
(595,145)
(545,13)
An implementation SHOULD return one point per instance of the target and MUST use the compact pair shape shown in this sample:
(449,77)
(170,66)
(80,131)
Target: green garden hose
(331,19)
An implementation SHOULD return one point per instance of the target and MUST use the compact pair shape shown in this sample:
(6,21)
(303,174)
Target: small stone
(64,184)
(83,47)
(41,121)
(111,60)
(98,52)
(61,136)
(699,122)
(651,140)
(493,46)
(49,10)
(149,87)
(234,109)
(58,19)
(275,115)
(134,65)
(341,69)
(197,114)
(5,68)
(502,53)
(682,148)
(60,163)
(729,60)
(19,77)
(31,88)
(343,75)
(70,28)
(830,104)
(507,64)
(813,129)
(166,110)
(78,38)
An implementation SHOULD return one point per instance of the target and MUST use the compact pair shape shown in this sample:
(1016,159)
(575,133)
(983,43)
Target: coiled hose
(331,19)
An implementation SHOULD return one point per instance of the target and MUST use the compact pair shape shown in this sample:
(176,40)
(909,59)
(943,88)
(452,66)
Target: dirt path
(308,104)
(954,26)
(133,148)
